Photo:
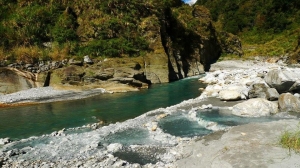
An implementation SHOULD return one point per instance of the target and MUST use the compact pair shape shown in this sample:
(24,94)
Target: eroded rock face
(13,80)
(289,102)
(255,108)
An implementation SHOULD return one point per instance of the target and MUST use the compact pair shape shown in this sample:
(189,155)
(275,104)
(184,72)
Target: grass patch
(225,57)
(269,44)
(291,140)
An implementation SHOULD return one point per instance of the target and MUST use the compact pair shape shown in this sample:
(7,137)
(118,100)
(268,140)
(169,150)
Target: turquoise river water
(35,120)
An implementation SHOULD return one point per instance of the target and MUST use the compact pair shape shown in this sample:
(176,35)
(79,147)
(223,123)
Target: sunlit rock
(255,108)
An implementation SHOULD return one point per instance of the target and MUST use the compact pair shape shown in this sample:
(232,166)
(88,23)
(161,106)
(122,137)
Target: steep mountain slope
(266,27)
(169,40)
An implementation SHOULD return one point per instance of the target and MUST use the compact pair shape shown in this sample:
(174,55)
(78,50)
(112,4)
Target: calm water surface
(23,122)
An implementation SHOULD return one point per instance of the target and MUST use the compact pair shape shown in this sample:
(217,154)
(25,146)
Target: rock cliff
(13,80)
(181,42)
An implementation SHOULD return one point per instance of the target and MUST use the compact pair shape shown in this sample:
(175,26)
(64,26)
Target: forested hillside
(266,15)
(267,27)
(107,27)
(123,41)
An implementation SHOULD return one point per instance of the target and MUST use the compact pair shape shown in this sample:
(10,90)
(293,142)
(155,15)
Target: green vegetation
(291,140)
(59,29)
(265,15)
(266,27)
(110,28)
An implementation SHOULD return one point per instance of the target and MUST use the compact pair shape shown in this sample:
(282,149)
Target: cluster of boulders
(44,66)
(41,66)
(270,88)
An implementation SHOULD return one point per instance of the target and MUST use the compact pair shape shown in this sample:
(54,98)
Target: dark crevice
(47,80)
(184,46)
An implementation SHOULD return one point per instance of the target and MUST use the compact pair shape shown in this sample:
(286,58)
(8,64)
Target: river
(34,120)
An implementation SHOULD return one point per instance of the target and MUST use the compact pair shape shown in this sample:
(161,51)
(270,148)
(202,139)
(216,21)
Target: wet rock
(4,141)
(229,95)
(289,102)
(255,108)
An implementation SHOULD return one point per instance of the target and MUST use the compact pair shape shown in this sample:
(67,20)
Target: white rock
(229,95)
(87,59)
(4,141)
(114,147)
(255,108)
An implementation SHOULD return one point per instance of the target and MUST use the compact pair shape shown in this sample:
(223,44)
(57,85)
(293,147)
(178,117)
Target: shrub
(65,27)
(29,55)
(291,140)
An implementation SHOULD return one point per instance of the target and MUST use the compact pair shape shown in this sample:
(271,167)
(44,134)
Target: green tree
(65,27)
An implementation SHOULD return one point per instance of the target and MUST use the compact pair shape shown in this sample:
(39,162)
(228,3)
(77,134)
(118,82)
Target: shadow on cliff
(185,47)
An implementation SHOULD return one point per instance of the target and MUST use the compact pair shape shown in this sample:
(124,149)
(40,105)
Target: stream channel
(147,124)
(35,120)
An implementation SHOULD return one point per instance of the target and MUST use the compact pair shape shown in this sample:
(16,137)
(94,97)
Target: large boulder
(282,80)
(14,80)
(289,102)
(261,90)
(255,108)
(229,95)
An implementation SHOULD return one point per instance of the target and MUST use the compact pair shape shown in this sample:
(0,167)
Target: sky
(190,1)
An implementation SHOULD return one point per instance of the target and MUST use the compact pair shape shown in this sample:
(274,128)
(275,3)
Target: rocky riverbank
(145,141)
(46,94)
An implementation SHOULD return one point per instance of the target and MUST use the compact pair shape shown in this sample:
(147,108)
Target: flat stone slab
(251,145)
